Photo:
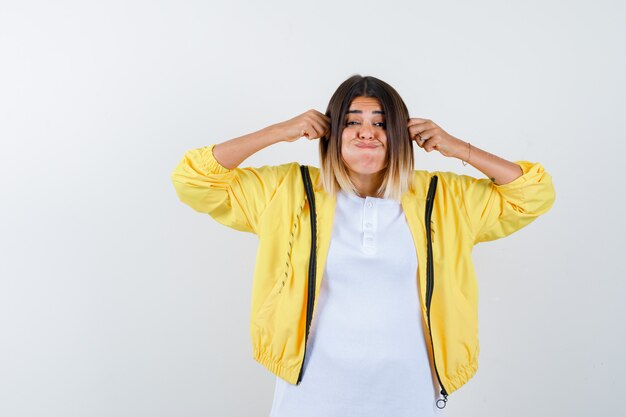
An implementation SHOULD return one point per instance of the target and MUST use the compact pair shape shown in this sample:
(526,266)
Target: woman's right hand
(310,124)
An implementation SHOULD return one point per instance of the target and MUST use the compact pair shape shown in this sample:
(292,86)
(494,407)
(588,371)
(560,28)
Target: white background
(118,300)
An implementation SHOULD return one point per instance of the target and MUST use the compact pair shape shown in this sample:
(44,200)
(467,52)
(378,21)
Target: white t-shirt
(366,353)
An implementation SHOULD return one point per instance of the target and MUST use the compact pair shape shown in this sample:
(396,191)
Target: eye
(354,122)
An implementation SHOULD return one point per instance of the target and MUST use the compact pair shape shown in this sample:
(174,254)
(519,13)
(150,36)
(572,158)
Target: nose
(366,131)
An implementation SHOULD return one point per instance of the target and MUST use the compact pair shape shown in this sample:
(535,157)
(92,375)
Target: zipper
(312,262)
(441,403)
(430,280)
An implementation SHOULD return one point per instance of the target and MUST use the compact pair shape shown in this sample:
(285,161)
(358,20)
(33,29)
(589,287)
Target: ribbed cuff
(210,163)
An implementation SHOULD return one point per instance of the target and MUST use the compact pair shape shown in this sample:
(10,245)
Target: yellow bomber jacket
(270,201)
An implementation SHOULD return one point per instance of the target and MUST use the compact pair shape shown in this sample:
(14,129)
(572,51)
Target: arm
(311,124)
(494,211)
(233,152)
(514,195)
(498,170)
(234,197)
(209,180)
(429,136)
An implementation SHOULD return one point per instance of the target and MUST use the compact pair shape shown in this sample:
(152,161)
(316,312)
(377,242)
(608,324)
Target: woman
(364,299)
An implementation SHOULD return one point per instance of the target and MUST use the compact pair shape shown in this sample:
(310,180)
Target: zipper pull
(441,403)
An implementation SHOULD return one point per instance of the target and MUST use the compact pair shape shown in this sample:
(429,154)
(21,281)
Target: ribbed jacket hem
(463,375)
(289,374)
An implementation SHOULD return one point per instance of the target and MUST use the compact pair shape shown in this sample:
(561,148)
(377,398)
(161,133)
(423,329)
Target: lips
(366,145)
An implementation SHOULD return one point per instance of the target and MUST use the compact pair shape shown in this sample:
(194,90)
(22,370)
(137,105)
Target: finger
(312,131)
(312,112)
(313,116)
(319,129)
(322,127)
(419,129)
(323,121)
(327,132)
(429,133)
(427,139)
(325,126)
(418,136)
(307,131)
(419,139)
(326,121)
(431,145)
(319,117)
(426,147)
(317,113)
(417,121)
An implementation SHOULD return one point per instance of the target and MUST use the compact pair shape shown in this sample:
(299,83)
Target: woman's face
(364,138)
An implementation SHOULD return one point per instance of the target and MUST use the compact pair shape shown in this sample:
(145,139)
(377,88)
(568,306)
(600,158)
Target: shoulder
(450,185)
(452,181)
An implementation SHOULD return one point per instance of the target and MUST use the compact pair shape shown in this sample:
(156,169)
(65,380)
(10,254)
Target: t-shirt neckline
(376,200)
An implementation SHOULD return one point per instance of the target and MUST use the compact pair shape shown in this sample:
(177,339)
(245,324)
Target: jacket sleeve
(234,197)
(496,211)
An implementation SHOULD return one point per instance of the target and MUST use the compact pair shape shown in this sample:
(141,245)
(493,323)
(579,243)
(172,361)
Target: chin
(365,169)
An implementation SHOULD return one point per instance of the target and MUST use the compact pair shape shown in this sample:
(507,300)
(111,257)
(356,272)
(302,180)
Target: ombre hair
(399,162)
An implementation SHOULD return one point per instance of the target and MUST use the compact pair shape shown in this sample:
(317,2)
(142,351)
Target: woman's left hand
(429,136)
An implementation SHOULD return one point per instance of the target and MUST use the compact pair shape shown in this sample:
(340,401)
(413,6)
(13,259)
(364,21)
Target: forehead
(365,105)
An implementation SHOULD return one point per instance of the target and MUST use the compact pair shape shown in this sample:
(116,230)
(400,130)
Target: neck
(366,184)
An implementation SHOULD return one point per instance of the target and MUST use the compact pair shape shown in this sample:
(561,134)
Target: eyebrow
(361,111)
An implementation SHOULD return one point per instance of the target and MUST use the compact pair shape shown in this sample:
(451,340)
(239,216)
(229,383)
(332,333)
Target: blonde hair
(397,177)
